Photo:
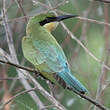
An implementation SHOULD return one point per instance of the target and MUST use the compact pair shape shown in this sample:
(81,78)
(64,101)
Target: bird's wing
(30,52)
(53,55)
(39,52)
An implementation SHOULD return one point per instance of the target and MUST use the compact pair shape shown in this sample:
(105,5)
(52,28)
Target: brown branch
(21,8)
(79,42)
(19,66)
(21,93)
(102,107)
(89,99)
(11,78)
(37,85)
(13,56)
(105,1)
(49,106)
(93,21)
(83,96)
(79,17)
(103,74)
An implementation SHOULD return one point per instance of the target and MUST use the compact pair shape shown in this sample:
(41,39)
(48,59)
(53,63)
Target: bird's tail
(72,82)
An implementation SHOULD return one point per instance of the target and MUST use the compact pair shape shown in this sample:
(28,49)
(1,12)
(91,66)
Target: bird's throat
(51,26)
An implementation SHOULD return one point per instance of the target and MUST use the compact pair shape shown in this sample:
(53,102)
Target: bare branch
(105,1)
(102,107)
(11,78)
(93,21)
(14,57)
(103,74)
(21,73)
(43,92)
(79,42)
(49,106)
(21,93)
(18,66)
(21,8)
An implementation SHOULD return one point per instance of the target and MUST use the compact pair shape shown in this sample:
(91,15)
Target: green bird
(43,51)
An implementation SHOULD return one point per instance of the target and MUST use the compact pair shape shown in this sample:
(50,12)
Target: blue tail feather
(72,82)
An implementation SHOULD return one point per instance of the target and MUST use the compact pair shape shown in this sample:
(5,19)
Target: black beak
(58,18)
(63,17)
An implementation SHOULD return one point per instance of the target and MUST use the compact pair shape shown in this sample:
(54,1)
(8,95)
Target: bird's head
(49,20)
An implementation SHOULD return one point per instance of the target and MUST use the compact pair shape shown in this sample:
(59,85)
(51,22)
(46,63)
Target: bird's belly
(46,72)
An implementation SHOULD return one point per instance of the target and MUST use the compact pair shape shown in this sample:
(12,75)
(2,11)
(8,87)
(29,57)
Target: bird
(42,50)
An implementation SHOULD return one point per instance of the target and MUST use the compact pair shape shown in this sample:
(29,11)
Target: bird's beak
(60,18)
(57,18)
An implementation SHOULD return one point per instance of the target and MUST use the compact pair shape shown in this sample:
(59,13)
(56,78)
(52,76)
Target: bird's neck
(51,26)
(32,27)
(35,27)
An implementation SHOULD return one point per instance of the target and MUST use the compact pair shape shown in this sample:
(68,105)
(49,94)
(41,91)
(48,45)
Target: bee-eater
(43,51)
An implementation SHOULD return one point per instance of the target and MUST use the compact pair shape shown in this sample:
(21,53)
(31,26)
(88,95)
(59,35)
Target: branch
(77,40)
(102,107)
(21,8)
(21,93)
(11,78)
(93,21)
(19,66)
(105,1)
(48,95)
(81,95)
(51,99)
(49,106)
(13,56)
(103,74)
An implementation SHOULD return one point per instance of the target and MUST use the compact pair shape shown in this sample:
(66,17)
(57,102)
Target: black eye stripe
(58,19)
(43,22)
(47,20)
(51,18)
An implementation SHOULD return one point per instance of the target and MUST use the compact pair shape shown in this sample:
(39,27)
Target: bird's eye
(47,20)
(43,22)
(50,19)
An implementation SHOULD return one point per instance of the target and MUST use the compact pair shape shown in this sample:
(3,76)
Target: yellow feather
(51,26)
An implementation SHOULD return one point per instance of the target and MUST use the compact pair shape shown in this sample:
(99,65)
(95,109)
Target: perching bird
(43,51)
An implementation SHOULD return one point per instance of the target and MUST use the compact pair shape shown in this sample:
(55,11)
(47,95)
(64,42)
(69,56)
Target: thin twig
(77,40)
(22,72)
(21,8)
(82,45)
(13,55)
(93,21)
(102,107)
(83,96)
(105,1)
(11,78)
(79,17)
(48,96)
(51,99)
(19,66)
(103,74)
(49,106)
(18,94)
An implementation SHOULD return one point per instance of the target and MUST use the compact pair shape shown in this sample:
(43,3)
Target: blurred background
(94,36)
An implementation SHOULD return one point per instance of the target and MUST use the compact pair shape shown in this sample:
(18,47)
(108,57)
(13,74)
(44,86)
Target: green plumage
(43,51)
